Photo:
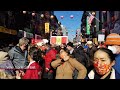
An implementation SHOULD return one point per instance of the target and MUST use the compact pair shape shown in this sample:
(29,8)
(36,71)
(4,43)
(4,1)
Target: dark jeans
(48,75)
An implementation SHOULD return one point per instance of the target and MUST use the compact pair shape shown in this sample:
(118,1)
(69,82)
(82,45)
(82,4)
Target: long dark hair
(34,53)
(109,52)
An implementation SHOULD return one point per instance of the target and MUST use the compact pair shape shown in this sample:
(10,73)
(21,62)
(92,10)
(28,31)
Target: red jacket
(50,55)
(33,71)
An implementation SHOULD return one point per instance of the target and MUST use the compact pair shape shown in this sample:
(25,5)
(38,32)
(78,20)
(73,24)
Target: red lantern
(33,14)
(24,12)
(71,16)
(61,17)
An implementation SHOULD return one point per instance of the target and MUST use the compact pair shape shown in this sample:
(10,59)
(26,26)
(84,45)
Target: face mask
(113,49)
(101,69)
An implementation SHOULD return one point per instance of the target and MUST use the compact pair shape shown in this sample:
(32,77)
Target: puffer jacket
(18,57)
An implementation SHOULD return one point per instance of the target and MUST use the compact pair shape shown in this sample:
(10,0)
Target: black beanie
(70,44)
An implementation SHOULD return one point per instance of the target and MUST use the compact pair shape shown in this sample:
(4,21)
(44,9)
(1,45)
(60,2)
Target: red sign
(34,41)
(58,40)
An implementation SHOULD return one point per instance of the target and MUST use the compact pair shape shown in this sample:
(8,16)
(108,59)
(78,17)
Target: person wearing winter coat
(6,66)
(33,70)
(113,43)
(66,65)
(18,54)
(103,63)
(49,56)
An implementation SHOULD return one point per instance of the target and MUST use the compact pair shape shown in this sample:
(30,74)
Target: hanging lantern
(51,16)
(61,17)
(24,12)
(93,13)
(71,16)
(42,15)
(33,14)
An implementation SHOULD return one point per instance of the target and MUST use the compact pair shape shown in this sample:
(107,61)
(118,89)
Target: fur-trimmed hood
(3,56)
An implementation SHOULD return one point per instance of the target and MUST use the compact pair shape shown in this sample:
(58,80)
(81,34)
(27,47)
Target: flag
(90,19)
(87,25)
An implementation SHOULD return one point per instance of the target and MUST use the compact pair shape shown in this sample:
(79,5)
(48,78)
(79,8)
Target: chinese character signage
(46,27)
(58,40)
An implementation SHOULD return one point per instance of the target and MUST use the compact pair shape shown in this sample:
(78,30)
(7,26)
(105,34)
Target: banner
(101,37)
(58,40)
(46,27)
(8,31)
(88,26)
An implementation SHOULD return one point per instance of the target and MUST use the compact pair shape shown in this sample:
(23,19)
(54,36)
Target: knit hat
(70,44)
(113,39)
(89,42)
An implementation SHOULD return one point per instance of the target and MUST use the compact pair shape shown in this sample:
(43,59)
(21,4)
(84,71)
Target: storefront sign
(46,27)
(58,40)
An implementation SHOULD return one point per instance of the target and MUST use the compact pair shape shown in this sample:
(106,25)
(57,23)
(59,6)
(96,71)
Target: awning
(8,31)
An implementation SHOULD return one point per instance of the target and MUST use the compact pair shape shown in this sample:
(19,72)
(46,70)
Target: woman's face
(62,54)
(102,62)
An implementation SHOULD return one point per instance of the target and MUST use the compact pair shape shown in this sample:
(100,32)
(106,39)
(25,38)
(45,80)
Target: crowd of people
(66,61)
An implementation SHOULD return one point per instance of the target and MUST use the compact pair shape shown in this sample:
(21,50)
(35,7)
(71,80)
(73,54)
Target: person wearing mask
(18,54)
(103,63)
(66,65)
(113,43)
